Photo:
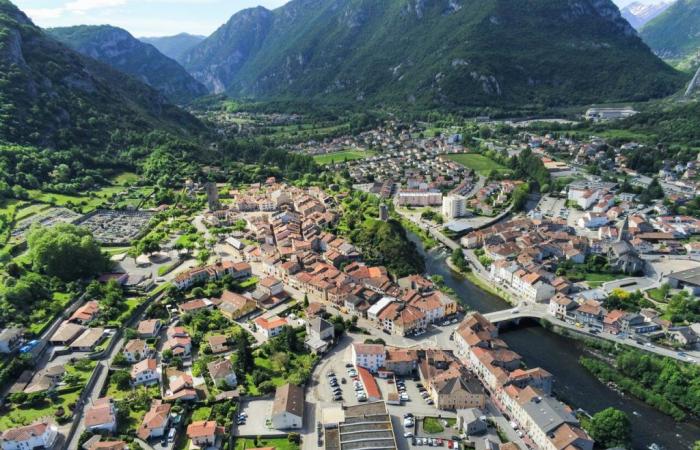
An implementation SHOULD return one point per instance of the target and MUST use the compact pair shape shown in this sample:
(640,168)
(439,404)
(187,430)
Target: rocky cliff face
(119,49)
(174,46)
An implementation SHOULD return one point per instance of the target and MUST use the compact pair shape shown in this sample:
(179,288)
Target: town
(255,318)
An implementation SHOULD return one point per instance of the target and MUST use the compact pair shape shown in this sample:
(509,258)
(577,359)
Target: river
(559,355)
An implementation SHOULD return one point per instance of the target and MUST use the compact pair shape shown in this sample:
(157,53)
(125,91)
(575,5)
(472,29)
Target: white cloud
(80,6)
(39,14)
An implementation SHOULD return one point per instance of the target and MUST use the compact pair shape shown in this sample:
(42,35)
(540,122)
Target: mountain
(445,53)
(124,52)
(675,34)
(638,13)
(174,46)
(54,97)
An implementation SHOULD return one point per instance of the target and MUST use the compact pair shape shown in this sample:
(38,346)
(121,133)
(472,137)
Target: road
(106,363)
(540,311)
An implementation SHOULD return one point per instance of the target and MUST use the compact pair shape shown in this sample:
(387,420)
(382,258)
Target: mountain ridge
(638,13)
(174,46)
(119,49)
(675,34)
(432,52)
(57,98)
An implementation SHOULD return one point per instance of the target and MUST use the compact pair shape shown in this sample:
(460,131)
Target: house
(149,328)
(288,408)
(560,306)
(222,374)
(135,350)
(196,305)
(38,435)
(218,343)
(401,362)
(370,385)
(88,340)
(46,379)
(179,342)
(101,416)
(233,306)
(612,322)
(684,336)
(10,339)
(590,312)
(85,313)
(205,434)
(66,333)
(155,422)
(271,327)
(271,286)
(369,356)
(469,421)
(96,443)
(145,372)
(319,334)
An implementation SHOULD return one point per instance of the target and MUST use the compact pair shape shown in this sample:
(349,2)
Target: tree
(245,361)
(65,251)
(122,379)
(610,428)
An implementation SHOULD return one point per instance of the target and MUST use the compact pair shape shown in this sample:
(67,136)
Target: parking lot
(258,412)
(553,207)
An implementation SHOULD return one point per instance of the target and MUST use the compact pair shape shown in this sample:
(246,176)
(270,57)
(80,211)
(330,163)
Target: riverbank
(559,354)
(479,282)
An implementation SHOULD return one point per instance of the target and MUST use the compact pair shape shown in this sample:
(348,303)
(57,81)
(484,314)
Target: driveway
(258,413)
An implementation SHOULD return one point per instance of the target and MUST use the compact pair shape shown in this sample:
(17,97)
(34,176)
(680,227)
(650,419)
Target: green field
(338,157)
(478,163)
(276,443)
(595,280)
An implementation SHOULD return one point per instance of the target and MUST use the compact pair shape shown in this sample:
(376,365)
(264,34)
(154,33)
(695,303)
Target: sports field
(339,157)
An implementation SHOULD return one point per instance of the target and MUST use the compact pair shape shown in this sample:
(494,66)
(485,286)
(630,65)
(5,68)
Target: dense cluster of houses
(526,253)
(525,394)
(589,312)
(448,382)
(297,254)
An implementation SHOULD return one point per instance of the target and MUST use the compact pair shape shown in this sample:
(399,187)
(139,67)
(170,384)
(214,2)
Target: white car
(408,434)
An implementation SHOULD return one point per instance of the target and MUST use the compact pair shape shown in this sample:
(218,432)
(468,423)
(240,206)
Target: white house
(155,421)
(101,416)
(221,372)
(592,220)
(271,327)
(369,356)
(288,408)
(145,372)
(38,435)
(135,350)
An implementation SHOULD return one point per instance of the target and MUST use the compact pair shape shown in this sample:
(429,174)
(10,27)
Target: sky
(150,17)
(140,17)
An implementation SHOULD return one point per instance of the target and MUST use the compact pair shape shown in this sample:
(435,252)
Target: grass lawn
(657,294)
(131,304)
(595,280)
(338,157)
(434,425)
(479,163)
(276,443)
(125,178)
(18,415)
(201,413)
(119,394)
(63,200)
(40,318)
